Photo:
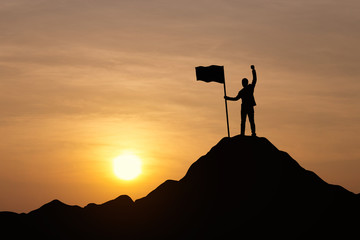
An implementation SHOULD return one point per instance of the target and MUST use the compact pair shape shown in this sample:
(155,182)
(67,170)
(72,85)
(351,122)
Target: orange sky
(82,81)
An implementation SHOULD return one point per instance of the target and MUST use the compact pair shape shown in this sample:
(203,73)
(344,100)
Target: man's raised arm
(254,75)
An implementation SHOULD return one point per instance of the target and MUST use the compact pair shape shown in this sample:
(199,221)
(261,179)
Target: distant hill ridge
(243,187)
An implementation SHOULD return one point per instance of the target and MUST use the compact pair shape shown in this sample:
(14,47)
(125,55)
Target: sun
(127,166)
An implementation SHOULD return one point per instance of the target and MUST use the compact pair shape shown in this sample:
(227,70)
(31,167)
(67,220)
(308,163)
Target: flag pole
(226,109)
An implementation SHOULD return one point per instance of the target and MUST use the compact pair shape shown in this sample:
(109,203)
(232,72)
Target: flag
(214,73)
(211,73)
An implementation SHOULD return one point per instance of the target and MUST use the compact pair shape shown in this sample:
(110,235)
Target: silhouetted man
(248,102)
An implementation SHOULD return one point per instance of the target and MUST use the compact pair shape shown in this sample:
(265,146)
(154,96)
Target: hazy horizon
(83,81)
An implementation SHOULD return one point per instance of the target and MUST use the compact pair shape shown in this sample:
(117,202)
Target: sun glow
(127,166)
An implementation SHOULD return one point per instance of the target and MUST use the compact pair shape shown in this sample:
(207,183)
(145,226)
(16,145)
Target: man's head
(245,82)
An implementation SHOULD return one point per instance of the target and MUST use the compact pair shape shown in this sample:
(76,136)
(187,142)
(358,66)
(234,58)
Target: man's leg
(243,120)
(252,121)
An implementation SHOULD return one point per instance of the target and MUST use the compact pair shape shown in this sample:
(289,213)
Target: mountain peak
(55,207)
(246,162)
(247,183)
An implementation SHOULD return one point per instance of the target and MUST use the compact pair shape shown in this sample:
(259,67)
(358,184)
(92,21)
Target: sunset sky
(84,81)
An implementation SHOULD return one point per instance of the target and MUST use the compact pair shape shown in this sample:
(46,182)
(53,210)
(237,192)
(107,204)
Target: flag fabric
(211,73)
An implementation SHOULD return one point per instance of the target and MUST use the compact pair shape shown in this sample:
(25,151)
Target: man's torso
(247,97)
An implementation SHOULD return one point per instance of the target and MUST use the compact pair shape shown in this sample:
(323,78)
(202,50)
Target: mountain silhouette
(244,187)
